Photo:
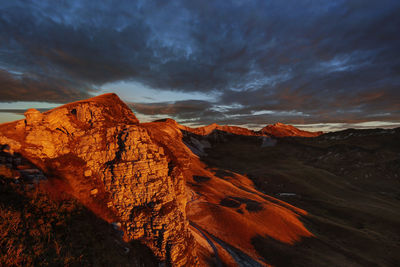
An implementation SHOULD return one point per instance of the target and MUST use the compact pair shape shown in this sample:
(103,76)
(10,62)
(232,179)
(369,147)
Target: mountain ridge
(273,130)
(98,148)
(212,195)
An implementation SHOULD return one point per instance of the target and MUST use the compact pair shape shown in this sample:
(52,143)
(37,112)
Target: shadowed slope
(347,181)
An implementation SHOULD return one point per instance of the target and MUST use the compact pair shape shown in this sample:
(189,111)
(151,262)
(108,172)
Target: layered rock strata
(114,166)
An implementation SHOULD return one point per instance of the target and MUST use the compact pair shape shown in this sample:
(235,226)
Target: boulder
(94,191)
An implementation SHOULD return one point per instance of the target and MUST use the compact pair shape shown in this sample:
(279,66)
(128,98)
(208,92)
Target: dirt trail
(210,242)
(241,258)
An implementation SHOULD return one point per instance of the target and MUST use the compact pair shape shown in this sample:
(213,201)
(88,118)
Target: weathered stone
(9,145)
(33,117)
(101,136)
(94,191)
(20,125)
(116,225)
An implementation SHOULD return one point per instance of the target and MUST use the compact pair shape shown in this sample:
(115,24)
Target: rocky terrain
(208,196)
(113,167)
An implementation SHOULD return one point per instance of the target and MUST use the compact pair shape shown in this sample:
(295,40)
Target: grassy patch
(38,230)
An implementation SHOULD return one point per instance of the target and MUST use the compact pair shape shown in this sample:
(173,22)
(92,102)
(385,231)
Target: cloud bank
(294,61)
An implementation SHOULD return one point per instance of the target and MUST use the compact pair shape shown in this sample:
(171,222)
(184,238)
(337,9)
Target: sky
(311,63)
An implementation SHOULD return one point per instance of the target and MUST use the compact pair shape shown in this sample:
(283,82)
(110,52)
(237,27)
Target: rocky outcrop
(114,167)
(283,130)
(33,116)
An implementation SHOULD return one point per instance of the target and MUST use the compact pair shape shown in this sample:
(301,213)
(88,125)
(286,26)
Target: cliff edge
(111,165)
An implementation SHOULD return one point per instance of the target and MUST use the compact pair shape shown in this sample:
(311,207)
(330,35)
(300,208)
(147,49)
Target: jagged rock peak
(107,107)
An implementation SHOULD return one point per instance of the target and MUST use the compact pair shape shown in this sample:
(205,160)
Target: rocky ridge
(114,167)
(209,129)
(272,130)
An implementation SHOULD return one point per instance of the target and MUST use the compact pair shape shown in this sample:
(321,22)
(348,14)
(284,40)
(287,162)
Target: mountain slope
(225,210)
(42,225)
(348,182)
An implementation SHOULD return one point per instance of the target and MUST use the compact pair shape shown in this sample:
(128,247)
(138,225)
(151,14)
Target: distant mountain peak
(283,130)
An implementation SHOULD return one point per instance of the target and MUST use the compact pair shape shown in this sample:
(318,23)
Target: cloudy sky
(317,64)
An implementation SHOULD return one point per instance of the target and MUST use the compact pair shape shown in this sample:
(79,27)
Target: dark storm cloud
(181,110)
(297,61)
(23,87)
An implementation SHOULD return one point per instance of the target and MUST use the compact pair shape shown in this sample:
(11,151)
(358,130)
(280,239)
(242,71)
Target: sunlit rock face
(33,116)
(112,166)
